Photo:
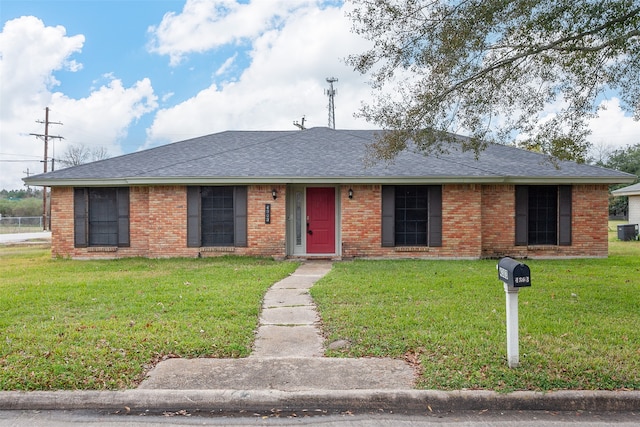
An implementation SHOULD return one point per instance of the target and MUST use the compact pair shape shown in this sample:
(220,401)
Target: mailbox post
(514,275)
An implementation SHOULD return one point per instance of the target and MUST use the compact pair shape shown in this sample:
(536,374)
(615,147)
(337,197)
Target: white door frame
(296,233)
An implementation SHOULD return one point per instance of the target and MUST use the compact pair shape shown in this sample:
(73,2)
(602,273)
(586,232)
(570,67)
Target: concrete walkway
(288,352)
(289,320)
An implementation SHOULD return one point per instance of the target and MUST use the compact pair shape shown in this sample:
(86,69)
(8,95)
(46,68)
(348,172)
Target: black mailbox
(514,273)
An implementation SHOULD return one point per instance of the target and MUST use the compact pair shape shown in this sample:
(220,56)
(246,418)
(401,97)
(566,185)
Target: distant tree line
(625,160)
(26,202)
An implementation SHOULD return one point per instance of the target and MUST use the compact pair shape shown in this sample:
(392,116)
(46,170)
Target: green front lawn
(68,324)
(579,322)
(98,324)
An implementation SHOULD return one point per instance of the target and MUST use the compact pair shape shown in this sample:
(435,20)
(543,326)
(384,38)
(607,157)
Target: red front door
(321,220)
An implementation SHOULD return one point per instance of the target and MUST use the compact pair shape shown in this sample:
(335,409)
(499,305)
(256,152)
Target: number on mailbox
(514,273)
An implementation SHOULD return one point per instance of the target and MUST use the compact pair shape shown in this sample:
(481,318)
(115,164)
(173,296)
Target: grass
(99,324)
(69,324)
(578,322)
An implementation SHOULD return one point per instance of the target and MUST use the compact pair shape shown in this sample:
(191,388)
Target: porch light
(274,193)
(350,193)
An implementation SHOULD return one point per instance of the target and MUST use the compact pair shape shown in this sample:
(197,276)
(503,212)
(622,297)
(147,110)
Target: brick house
(311,194)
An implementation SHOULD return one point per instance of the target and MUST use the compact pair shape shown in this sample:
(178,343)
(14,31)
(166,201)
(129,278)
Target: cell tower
(332,110)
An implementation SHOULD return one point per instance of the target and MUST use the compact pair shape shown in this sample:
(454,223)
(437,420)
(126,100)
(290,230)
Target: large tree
(492,69)
(626,160)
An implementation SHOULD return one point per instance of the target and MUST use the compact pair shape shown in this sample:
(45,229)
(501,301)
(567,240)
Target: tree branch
(532,52)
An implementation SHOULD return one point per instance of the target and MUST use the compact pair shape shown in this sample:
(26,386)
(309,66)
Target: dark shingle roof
(320,155)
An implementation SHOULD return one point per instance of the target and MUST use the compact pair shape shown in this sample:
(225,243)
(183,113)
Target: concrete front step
(285,374)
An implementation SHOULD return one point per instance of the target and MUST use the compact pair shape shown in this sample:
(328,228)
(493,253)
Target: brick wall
(158,225)
(478,221)
(498,222)
(361,219)
(167,222)
(461,221)
(62,221)
(266,239)
(362,222)
(589,224)
(139,230)
(167,219)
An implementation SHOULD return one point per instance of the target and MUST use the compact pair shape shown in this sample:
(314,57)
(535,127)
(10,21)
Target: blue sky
(115,33)
(126,75)
(129,75)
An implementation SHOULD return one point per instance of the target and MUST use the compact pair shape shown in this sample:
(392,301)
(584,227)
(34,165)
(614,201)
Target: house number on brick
(267,213)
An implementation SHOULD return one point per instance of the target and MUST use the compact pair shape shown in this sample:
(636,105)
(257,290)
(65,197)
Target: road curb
(409,401)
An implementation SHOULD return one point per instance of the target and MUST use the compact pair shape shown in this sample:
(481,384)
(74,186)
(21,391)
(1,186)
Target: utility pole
(332,93)
(46,137)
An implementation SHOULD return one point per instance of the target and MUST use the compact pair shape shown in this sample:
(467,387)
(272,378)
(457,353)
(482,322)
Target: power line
(21,155)
(32,160)
(45,136)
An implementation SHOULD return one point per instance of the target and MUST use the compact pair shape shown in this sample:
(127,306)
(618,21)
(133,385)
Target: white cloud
(103,118)
(293,47)
(613,127)
(285,80)
(167,96)
(30,54)
(73,66)
(226,66)
(205,25)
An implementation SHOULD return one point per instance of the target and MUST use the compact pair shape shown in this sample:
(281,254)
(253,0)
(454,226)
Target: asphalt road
(451,419)
(21,237)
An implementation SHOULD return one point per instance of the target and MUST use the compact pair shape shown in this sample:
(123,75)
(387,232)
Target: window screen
(103,217)
(217,220)
(411,213)
(543,215)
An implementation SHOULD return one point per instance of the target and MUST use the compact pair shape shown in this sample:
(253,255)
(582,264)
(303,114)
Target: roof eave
(76,182)
(632,190)
(609,180)
(626,193)
(118,182)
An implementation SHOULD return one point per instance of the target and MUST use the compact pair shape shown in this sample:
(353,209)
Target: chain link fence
(20,224)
